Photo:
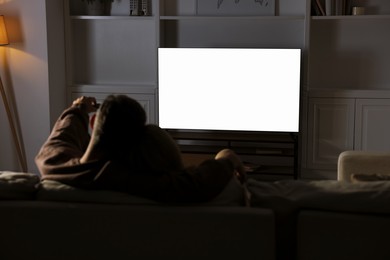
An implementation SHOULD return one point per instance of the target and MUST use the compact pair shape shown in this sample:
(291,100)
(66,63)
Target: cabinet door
(330,130)
(146,100)
(372,124)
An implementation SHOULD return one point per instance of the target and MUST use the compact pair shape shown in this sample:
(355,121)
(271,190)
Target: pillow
(18,185)
(234,194)
(369,177)
(55,191)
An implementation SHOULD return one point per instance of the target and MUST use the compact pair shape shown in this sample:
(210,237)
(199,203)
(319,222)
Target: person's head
(120,120)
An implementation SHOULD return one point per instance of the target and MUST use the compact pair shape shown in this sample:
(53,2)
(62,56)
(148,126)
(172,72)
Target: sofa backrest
(62,230)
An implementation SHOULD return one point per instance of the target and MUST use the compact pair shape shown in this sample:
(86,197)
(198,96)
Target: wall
(27,77)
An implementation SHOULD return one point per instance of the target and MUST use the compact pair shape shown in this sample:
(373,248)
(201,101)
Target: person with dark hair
(119,123)
(125,154)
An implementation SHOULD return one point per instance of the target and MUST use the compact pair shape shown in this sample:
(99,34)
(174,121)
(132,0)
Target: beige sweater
(59,158)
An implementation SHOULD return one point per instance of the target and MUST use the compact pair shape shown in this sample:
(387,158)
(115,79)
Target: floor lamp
(11,120)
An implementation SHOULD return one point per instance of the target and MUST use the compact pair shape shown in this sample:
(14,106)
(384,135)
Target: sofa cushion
(18,185)
(362,162)
(234,194)
(369,177)
(366,197)
(55,191)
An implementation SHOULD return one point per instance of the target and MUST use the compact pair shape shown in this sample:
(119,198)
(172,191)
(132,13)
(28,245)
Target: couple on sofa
(125,154)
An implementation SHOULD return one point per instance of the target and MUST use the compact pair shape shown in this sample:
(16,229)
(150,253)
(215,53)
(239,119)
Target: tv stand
(267,156)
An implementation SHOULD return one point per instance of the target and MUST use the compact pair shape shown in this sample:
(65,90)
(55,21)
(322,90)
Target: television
(230,89)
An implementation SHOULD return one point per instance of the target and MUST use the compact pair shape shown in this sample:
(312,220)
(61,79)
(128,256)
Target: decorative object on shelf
(140,7)
(358,10)
(98,7)
(7,105)
(236,7)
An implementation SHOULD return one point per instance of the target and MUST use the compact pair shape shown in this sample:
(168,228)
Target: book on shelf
(318,7)
(331,7)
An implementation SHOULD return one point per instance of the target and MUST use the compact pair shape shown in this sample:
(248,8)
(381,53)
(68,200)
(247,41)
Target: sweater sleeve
(198,184)
(67,142)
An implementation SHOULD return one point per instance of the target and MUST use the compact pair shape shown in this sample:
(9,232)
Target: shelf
(351,17)
(198,17)
(110,17)
(143,88)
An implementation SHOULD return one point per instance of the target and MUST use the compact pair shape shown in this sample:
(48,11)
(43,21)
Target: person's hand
(89,104)
(238,166)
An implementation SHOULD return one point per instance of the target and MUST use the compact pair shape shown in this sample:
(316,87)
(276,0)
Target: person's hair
(120,122)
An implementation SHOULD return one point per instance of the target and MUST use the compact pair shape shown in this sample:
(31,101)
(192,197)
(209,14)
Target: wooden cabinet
(372,124)
(331,130)
(147,100)
(348,122)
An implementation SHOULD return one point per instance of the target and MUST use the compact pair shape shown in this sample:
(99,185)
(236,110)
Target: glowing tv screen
(229,89)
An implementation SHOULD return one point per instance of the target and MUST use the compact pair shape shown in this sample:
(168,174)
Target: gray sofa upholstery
(327,219)
(50,220)
(324,235)
(66,230)
(287,220)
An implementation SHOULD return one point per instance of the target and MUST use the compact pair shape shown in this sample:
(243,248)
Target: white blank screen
(229,89)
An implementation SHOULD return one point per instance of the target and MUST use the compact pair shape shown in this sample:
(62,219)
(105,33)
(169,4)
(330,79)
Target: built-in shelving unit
(345,64)
(112,54)
(181,27)
(346,76)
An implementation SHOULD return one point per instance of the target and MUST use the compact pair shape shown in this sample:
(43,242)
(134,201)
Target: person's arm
(204,182)
(68,139)
(198,184)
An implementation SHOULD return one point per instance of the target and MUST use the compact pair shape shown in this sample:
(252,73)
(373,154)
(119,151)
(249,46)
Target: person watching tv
(125,154)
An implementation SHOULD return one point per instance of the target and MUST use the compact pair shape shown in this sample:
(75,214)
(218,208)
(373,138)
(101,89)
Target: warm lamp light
(3,32)
(11,120)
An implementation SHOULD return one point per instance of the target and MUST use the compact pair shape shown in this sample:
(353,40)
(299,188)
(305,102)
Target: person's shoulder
(154,130)
(159,136)
(153,127)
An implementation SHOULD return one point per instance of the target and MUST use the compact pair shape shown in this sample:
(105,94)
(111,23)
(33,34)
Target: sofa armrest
(362,162)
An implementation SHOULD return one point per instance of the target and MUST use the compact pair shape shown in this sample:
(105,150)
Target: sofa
(50,220)
(291,219)
(54,230)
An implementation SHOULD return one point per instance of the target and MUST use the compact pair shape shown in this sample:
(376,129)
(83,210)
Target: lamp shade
(3,32)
